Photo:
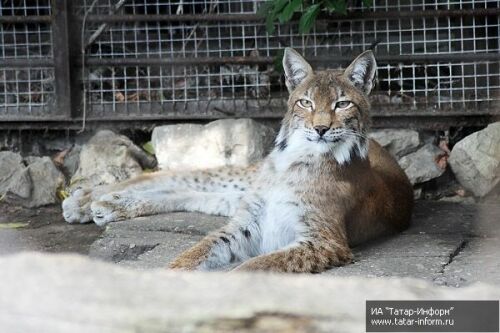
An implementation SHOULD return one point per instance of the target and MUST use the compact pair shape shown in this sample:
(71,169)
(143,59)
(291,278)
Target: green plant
(283,11)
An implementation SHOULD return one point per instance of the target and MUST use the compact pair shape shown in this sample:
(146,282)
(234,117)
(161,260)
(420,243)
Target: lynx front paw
(109,208)
(76,208)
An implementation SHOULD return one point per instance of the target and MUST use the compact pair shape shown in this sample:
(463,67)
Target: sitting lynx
(325,186)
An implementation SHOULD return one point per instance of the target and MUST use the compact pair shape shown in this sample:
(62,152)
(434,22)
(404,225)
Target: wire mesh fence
(211,59)
(25,89)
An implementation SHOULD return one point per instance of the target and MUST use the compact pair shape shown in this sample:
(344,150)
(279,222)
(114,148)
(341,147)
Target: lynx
(323,188)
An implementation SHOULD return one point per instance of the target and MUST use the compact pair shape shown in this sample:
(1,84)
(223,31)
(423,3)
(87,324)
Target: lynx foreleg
(123,205)
(77,208)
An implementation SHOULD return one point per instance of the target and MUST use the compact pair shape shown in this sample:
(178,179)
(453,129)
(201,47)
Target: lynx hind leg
(231,245)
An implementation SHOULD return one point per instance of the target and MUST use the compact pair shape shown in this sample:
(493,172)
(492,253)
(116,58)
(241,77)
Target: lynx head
(327,110)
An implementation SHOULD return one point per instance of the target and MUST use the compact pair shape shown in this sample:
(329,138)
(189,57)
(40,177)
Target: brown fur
(347,204)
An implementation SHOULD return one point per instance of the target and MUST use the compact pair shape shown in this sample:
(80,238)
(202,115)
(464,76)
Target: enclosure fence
(134,61)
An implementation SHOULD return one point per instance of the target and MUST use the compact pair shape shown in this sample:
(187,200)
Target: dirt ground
(43,229)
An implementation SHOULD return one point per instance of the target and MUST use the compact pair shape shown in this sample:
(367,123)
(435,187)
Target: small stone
(422,166)
(459,199)
(398,142)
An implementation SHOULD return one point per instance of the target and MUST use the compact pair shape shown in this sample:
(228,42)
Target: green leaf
(287,13)
(148,147)
(13,225)
(278,7)
(308,18)
(368,3)
(270,10)
(338,6)
(270,24)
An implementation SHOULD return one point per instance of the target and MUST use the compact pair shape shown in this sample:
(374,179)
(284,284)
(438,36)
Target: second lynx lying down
(324,187)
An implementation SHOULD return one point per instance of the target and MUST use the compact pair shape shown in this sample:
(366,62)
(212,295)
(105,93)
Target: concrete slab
(448,243)
(479,260)
(428,268)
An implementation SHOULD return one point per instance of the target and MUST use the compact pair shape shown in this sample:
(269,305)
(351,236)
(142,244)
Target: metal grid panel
(467,86)
(438,85)
(25,7)
(387,5)
(24,90)
(155,7)
(397,36)
(30,88)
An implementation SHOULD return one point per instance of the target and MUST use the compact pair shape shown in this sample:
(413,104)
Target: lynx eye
(343,104)
(305,103)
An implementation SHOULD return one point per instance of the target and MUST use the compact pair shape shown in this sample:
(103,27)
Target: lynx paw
(112,207)
(76,208)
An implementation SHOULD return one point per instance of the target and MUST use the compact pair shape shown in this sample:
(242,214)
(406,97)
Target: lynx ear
(296,68)
(362,72)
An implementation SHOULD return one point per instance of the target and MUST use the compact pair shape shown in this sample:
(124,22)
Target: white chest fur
(281,220)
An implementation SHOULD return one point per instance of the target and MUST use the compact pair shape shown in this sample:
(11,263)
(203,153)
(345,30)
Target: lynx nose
(321,130)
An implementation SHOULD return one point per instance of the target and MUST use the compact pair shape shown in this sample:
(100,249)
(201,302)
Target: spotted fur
(323,188)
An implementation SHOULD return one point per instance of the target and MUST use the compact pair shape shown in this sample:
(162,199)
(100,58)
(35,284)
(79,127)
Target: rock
(31,182)
(19,186)
(109,158)
(422,165)
(72,160)
(398,142)
(459,199)
(112,299)
(475,160)
(227,142)
(46,179)
(12,176)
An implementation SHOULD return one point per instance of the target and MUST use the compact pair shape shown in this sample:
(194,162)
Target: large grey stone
(109,158)
(398,142)
(14,178)
(226,142)
(422,165)
(475,160)
(67,293)
(46,179)
(31,182)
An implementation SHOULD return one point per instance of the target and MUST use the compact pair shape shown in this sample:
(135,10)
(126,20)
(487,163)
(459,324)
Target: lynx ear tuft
(297,69)
(362,72)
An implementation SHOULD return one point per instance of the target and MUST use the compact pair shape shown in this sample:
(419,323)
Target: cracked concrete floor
(448,243)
